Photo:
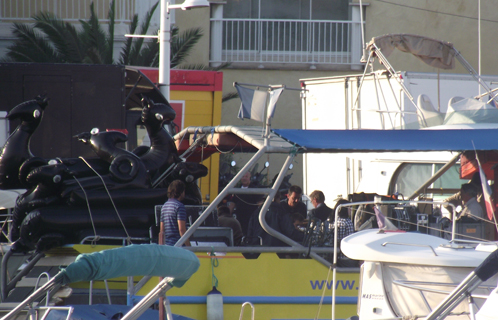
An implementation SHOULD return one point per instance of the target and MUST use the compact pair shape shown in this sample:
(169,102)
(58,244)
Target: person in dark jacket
(293,203)
(281,221)
(243,205)
(225,219)
(321,211)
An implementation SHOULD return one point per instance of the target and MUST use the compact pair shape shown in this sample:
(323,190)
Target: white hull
(409,274)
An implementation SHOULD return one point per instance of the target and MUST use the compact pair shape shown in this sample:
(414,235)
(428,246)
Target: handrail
(47,298)
(410,244)
(243,307)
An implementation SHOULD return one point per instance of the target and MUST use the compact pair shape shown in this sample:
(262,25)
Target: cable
(323,294)
(128,238)
(434,11)
(89,210)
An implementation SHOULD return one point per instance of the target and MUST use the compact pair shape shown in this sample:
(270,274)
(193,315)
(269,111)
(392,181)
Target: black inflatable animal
(111,195)
(16,149)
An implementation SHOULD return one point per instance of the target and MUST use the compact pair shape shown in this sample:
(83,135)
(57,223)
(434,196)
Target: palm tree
(52,40)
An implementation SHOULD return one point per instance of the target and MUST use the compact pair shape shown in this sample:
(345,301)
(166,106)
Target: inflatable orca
(107,196)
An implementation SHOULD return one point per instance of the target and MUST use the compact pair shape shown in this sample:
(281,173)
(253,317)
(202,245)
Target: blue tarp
(391,140)
(134,260)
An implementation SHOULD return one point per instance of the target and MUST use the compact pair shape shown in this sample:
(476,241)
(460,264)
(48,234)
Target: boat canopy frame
(435,53)
(297,141)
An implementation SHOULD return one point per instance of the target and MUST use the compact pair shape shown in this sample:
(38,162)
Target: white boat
(408,274)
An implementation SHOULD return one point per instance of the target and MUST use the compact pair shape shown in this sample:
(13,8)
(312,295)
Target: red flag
(486,191)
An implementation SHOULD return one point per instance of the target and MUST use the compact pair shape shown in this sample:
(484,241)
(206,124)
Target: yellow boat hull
(279,288)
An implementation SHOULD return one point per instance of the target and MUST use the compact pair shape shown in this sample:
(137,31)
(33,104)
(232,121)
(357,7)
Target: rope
(323,294)
(229,151)
(245,202)
(128,238)
(214,263)
(89,210)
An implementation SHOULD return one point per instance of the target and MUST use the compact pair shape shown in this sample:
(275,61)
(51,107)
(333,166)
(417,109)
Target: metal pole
(164,50)
(228,190)
(436,176)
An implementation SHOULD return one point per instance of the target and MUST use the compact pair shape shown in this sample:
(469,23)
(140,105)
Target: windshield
(413,175)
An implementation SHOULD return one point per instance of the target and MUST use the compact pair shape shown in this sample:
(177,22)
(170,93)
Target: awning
(390,140)
(436,53)
(250,139)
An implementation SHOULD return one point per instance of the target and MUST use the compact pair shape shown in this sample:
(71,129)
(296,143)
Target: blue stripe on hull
(264,300)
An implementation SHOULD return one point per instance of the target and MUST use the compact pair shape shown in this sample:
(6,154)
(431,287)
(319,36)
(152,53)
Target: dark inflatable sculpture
(111,195)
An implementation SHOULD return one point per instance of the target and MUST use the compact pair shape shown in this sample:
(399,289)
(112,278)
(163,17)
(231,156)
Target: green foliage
(50,39)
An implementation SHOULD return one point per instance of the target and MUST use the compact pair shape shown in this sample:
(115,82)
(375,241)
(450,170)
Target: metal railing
(68,10)
(285,41)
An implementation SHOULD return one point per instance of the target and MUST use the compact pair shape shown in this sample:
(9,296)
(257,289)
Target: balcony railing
(292,42)
(68,10)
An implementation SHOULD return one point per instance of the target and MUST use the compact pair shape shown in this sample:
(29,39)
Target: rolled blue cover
(133,260)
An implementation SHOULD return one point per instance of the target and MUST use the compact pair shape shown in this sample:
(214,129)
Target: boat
(276,285)
(411,273)
(385,98)
(174,265)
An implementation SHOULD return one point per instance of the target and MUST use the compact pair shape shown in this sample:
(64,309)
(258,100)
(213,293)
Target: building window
(288,9)
(305,33)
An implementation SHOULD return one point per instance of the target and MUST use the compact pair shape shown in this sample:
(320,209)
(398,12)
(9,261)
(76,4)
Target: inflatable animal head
(29,112)
(155,114)
(104,143)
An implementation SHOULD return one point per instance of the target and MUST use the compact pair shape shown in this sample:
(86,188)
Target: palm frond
(229,96)
(148,55)
(144,28)
(95,38)
(93,56)
(222,66)
(30,46)
(110,34)
(125,51)
(198,66)
(63,36)
(203,67)
(182,44)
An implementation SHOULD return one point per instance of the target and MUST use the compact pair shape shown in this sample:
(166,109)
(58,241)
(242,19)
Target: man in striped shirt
(174,215)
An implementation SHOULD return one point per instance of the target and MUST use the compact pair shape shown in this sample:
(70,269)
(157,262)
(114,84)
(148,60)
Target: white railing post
(217,34)
(356,45)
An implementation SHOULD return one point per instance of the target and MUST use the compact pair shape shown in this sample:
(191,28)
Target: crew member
(243,205)
(321,211)
(472,210)
(174,215)
(225,219)
(293,203)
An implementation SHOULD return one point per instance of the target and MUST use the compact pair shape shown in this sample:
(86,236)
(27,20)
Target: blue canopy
(390,140)
(134,260)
